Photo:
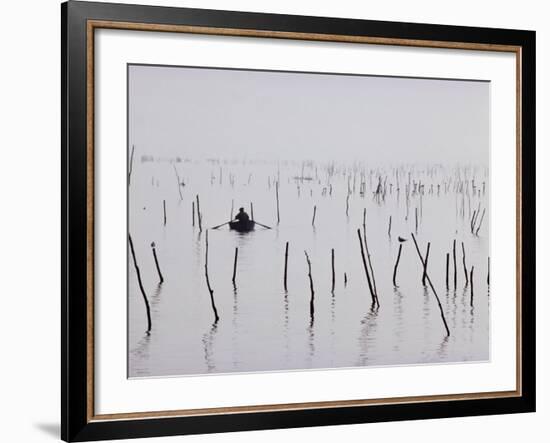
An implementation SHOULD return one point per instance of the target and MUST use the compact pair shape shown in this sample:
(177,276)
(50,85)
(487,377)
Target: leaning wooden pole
(464,264)
(425,272)
(396,265)
(164,210)
(432,287)
(480,222)
(161,278)
(368,255)
(210,290)
(373,296)
(179,182)
(314,213)
(235,265)
(147,308)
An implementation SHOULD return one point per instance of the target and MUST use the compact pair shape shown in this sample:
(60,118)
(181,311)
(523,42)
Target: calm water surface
(262,327)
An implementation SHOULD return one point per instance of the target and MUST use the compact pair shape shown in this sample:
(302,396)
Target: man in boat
(242,217)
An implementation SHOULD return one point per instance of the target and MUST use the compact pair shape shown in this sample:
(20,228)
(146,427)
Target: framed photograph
(276,221)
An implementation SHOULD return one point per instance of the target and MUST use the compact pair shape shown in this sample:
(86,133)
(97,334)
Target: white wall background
(30,221)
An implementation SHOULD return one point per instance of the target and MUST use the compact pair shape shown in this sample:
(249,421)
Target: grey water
(262,326)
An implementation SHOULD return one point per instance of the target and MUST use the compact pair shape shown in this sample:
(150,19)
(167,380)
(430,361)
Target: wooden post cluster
(432,287)
(365,266)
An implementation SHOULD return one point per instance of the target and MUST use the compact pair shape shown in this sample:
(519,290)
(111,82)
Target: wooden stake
(464,264)
(251,211)
(157,263)
(235,265)
(476,215)
(373,296)
(147,308)
(286,265)
(447,273)
(199,216)
(210,290)
(425,261)
(333,272)
(397,264)
(368,255)
(480,222)
(488,269)
(314,212)
(432,287)
(312,299)
(389,227)
(179,181)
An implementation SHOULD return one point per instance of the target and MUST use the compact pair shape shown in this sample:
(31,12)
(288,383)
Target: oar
(263,226)
(219,226)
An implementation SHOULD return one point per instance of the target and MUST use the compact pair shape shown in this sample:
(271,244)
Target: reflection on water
(367,336)
(264,327)
(208,343)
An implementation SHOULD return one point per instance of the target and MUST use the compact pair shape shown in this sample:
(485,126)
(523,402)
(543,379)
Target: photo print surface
(290,221)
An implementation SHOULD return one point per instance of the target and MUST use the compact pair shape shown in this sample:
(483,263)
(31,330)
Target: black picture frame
(77,424)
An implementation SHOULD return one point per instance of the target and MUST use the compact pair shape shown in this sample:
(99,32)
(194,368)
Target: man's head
(241,209)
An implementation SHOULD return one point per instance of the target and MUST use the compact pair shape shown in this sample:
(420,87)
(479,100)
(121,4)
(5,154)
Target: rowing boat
(242,226)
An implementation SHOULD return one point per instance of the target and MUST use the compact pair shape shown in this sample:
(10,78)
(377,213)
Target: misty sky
(202,113)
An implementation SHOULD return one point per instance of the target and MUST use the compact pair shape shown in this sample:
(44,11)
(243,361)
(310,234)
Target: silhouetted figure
(242,216)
